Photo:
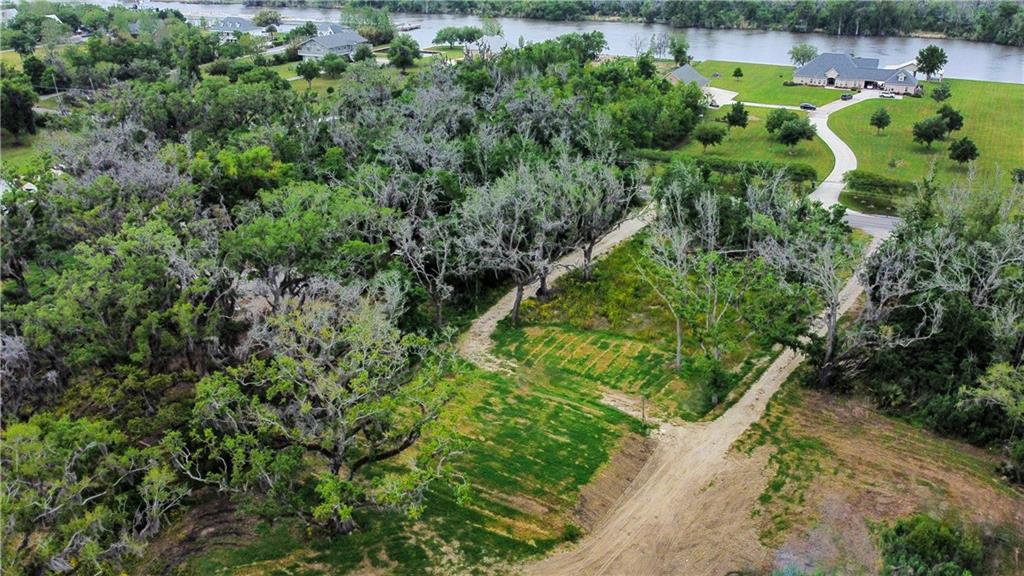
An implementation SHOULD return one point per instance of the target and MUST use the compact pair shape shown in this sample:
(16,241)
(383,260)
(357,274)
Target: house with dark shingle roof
(846,71)
(228,26)
(343,43)
(687,74)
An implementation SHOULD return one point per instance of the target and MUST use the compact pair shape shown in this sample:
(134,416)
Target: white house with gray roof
(342,43)
(846,71)
(227,27)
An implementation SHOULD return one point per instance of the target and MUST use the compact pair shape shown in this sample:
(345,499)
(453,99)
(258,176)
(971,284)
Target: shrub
(218,67)
(571,533)
(789,83)
(1014,466)
(865,181)
(924,545)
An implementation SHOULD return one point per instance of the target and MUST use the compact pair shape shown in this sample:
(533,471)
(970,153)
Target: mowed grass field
(763,83)
(612,332)
(993,118)
(754,143)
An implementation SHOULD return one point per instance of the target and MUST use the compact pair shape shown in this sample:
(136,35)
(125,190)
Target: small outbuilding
(686,74)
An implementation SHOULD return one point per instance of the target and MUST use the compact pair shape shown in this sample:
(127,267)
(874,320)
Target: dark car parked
(846,96)
(808,106)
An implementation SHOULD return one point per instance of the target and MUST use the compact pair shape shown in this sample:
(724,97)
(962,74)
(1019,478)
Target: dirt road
(665,524)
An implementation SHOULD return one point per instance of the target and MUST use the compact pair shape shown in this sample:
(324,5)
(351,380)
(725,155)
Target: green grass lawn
(763,83)
(754,143)
(993,119)
(456,53)
(15,155)
(614,333)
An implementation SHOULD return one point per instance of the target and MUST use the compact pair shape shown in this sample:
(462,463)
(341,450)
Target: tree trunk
(515,305)
(831,319)
(438,313)
(679,343)
(543,288)
(588,257)
(344,527)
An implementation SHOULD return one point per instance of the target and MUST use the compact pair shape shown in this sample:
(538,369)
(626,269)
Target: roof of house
(234,24)
(346,37)
(687,73)
(851,68)
(327,28)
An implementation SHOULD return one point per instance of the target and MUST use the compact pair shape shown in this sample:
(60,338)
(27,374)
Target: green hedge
(797,171)
(864,181)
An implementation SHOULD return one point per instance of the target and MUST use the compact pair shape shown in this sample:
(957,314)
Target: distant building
(227,27)
(343,43)
(328,28)
(687,74)
(8,14)
(845,71)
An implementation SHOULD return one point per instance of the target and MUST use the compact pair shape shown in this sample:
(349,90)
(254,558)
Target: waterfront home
(846,71)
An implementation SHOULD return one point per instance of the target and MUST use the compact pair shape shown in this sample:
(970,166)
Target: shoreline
(333,5)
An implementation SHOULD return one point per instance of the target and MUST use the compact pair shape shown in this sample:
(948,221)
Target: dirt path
(688,510)
(476,344)
(669,522)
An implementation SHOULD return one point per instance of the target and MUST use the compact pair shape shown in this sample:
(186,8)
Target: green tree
(403,51)
(921,544)
(332,388)
(309,70)
(777,117)
(737,73)
(802,53)
(930,129)
(954,119)
(709,134)
(679,48)
(737,116)
(333,65)
(22,43)
(881,119)
(363,52)
(302,230)
(76,494)
(963,150)
(931,59)
(16,101)
(267,17)
(645,65)
(448,35)
(793,131)
(941,92)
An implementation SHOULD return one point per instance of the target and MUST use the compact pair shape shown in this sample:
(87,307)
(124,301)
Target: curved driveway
(828,191)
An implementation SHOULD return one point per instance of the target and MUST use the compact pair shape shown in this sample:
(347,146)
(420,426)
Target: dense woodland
(222,286)
(1000,22)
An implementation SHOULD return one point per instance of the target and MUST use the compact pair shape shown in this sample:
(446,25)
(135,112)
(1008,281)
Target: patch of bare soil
(215,523)
(604,491)
(886,469)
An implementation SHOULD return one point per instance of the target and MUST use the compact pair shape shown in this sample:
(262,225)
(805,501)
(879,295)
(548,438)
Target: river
(971,60)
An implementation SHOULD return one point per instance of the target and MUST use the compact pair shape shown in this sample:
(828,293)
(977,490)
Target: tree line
(999,22)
